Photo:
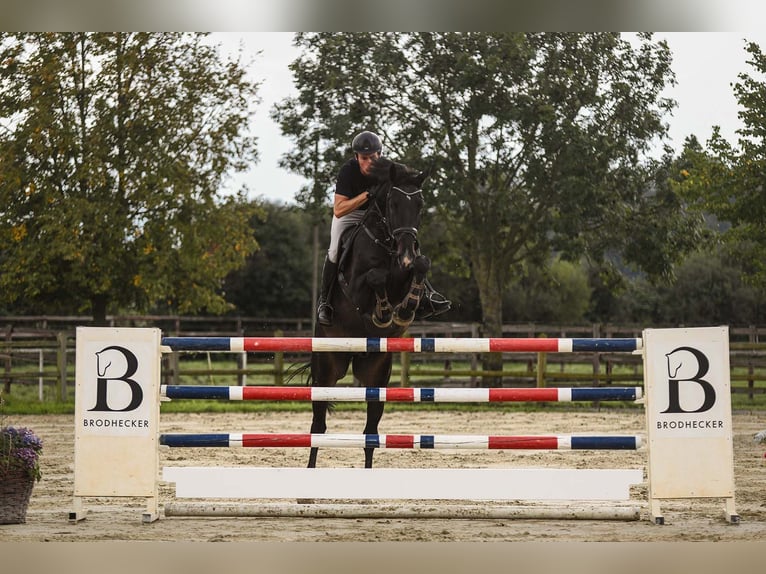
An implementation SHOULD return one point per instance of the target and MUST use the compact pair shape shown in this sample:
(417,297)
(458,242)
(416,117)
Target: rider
(352,192)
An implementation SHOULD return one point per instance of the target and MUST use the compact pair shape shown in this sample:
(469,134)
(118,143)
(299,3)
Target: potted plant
(20,450)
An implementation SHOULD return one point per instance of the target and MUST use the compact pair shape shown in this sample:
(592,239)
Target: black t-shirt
(351,182)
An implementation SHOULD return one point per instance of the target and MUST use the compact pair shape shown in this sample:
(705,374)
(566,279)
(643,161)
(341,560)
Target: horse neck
(377,216)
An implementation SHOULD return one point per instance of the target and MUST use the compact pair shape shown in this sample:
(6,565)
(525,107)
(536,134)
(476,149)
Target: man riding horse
(352,198)
(381,275)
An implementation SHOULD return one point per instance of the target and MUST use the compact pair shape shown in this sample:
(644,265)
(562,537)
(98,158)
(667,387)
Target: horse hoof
(402,322)
(381,324)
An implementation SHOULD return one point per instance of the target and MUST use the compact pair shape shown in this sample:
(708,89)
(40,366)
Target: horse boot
(324,309)
(432,303)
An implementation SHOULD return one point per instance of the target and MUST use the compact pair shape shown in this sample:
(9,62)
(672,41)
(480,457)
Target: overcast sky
(705,64)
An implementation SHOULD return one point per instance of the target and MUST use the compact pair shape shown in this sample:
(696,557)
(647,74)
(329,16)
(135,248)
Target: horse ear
(393,171)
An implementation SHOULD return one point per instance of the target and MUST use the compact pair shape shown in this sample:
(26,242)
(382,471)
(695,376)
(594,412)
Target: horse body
(381,280)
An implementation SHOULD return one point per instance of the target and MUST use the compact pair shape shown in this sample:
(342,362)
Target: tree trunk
(315,277)
(491,297)
(98,307)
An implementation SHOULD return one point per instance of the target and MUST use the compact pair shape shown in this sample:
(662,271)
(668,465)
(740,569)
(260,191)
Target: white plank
(403,484)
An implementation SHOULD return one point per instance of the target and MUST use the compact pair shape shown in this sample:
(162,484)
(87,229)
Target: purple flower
(20,448)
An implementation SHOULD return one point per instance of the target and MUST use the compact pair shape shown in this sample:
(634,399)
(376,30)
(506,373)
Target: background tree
(707,290)
(113,148)
(729,181)
(276,279)
(321,146)
(537,139)
(557,292)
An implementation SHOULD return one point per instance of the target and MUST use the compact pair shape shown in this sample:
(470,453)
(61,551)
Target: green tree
(536,139)
(709,290)
(557,292)
(113,148)
(320,146)
(276,280)
(727,180)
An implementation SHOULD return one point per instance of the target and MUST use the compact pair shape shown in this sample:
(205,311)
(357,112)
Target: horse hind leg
(318,426)
(326,370)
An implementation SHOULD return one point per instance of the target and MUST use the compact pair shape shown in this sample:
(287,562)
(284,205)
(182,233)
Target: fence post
(8,360)
(474,356)
(542,361)
(404,374)
(241,366)
(279,363)
(241,357)
(40,379)
(596,356)
(597,362)
(175,368)
(752,338)
(61,338)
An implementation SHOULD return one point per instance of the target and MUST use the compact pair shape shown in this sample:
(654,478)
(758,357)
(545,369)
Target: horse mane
(386,170)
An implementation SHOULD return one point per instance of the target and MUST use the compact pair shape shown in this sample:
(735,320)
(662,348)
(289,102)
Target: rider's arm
(344,205)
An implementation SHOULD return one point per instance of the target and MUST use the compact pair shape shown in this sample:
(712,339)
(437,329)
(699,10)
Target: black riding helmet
(366,142)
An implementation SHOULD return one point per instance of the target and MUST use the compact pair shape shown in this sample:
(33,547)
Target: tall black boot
(324,309)
(432,303)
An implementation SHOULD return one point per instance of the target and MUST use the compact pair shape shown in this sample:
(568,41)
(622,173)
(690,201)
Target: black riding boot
(324,309)
(432,303)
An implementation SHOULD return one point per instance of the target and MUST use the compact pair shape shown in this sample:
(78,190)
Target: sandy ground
(112,519)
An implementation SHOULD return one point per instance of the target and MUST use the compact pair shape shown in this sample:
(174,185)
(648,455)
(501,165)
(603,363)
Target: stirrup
(432,304)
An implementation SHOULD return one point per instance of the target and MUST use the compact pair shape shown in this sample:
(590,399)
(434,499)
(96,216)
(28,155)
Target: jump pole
(403,395)
(402,441)
(404,511)
(405,345)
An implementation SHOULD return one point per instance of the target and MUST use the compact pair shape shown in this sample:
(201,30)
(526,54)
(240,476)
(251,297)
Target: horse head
(401,202)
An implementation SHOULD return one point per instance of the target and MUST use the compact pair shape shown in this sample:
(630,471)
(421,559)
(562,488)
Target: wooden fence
(40,351)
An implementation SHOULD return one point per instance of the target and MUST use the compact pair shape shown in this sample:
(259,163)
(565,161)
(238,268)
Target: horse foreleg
(383,313)
(405,311)
(374,414)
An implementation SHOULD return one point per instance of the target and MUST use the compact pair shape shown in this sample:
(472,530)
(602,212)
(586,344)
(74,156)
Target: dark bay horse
(380,282)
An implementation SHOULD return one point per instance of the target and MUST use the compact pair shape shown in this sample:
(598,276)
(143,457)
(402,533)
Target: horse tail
(303,372)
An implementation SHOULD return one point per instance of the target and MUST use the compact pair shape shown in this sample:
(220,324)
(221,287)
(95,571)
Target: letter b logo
(688,365)
(116,365)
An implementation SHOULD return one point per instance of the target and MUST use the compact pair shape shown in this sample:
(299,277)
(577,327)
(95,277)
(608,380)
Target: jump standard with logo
(688,436)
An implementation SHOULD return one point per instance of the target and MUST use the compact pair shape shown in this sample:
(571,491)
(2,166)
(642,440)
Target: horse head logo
(108,359)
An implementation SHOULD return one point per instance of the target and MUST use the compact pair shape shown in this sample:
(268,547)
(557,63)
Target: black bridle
(392,235)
